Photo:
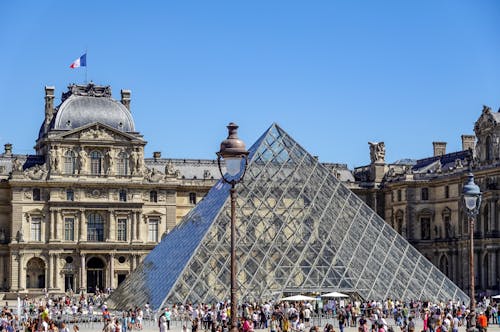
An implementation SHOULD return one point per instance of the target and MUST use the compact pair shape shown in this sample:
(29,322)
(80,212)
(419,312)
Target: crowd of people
(54,314)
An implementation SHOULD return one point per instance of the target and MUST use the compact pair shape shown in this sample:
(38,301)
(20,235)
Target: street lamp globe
(472,196)
(234,153)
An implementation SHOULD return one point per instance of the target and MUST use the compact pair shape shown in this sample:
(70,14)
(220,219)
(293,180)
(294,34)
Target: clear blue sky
(333,74)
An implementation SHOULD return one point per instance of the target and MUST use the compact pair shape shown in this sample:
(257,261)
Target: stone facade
(84,210)
(422,200)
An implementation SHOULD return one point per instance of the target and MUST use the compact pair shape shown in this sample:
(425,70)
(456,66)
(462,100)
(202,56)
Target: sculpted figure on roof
(377,152)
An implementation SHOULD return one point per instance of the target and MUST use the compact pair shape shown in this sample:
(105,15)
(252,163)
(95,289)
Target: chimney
(49,104)
(156,155)
(8,149)
(126,98)
(468,142)
(439,148)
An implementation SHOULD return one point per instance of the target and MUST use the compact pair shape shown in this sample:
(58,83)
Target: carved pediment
(98,132)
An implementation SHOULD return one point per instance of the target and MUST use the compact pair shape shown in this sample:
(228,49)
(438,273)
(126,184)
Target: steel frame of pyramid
(299,230)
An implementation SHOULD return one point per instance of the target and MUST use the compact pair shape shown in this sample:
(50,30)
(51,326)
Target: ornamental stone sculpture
(377,152)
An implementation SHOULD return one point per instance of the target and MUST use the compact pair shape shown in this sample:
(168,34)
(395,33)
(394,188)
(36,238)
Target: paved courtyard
(176,326)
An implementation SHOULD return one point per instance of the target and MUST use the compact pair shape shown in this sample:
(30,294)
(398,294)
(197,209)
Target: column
(132,262)
(492,257)
(491,226)
(49,272)
(111,271)
(51,228)
(133,226)
(55,284)
(138,225)
(83,282)
(112,226)
(81,226)
(22,273)
(56,224)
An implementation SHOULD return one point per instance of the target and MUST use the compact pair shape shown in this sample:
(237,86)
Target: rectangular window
(69,229)
(153,196)
(36,229)
(123,195)
(122,229)
(153,230)
(425,194)
(446,192)
(192,198)
(36,194)
(399,195)
(70,195)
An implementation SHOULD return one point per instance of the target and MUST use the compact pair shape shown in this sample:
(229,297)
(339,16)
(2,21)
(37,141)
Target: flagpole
(86,66)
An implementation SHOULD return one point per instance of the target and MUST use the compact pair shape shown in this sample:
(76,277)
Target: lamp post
(472,200)
(235,155)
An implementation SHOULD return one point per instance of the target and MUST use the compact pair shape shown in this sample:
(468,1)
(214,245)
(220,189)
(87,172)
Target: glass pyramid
(299,230)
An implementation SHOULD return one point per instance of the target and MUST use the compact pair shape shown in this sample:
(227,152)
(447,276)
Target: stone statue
(110,162)
(54,159)
(133,162)
(82,160)
(37,172)
(169,168)
(17,165)
(377,152)
(447,228)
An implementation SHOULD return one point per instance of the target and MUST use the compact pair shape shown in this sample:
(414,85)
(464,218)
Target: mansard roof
(85,104)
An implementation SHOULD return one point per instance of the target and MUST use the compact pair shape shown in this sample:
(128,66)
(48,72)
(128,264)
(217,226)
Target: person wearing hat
(482,322)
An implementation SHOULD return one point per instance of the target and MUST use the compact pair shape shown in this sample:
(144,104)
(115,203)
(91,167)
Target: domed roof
(86,104)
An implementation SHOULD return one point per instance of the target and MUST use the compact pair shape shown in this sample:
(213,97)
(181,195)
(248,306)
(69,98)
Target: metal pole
(471,265)
(234,301)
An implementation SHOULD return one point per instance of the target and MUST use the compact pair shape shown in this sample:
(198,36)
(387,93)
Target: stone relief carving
(28,194)
(98,133)
(37,172)
(377,152)
(96,193)
(207,174)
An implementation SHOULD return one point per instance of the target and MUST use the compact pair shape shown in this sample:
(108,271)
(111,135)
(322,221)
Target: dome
(86,104)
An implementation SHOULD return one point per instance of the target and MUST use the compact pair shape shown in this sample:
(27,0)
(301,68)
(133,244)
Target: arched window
(488,148)
(95,227)
(444,266)
(69,162)
(425,218)
(95,162)
(122,164)
(399,222)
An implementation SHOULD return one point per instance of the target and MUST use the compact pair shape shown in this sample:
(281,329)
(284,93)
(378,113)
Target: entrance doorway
(35,273)
(121,278)
(95,275)
(69,282)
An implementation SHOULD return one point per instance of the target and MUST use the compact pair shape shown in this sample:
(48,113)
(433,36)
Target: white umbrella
(298,298)
(496,296)
(334,294)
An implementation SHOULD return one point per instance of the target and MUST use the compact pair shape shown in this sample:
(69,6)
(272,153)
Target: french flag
(80,62)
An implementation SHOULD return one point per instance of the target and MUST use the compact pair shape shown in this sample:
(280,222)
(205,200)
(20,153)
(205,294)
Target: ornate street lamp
(472,200)
(235,155)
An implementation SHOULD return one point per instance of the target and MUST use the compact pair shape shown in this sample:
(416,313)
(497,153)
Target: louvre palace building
(88,206)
